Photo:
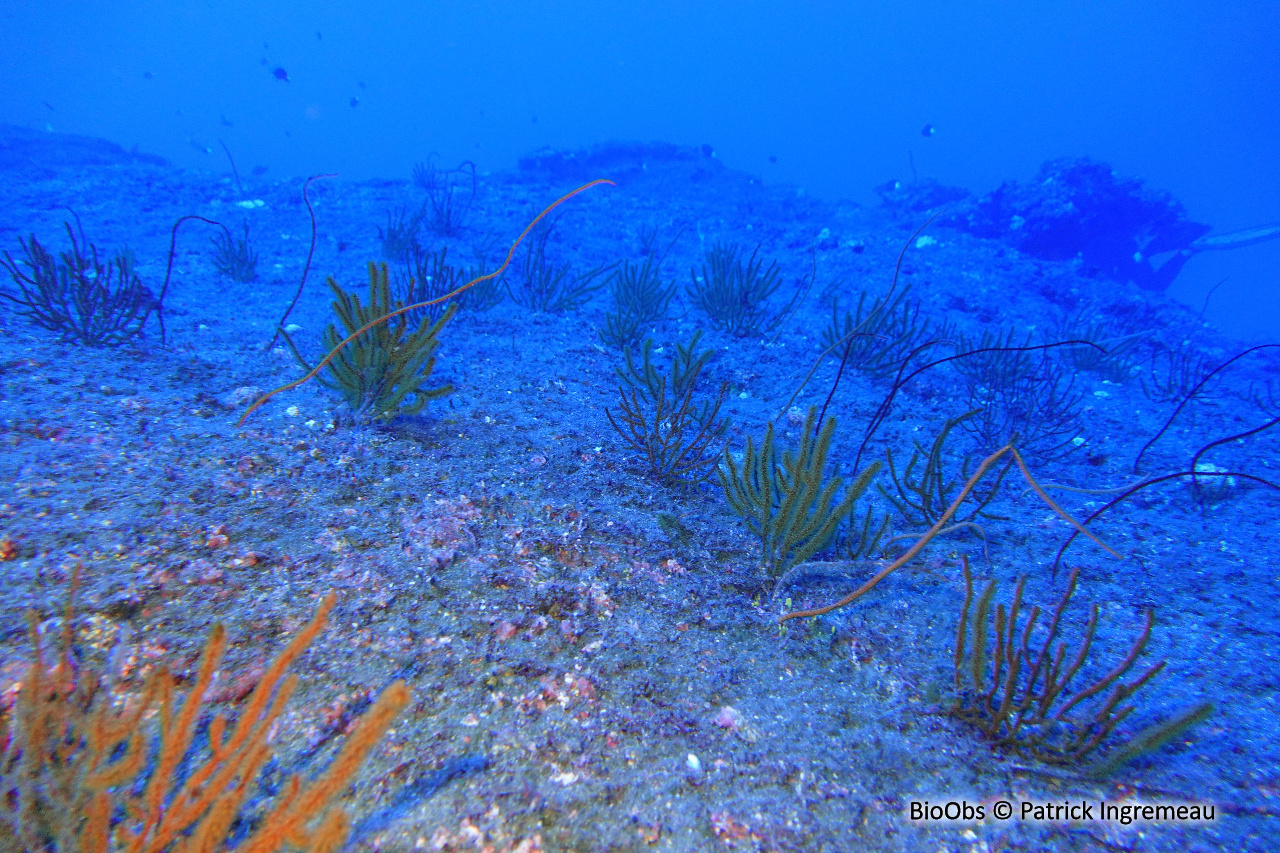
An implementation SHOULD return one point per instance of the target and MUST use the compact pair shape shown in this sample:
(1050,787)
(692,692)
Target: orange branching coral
(72,749)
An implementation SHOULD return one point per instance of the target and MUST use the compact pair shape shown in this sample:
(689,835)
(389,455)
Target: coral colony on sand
(73,749)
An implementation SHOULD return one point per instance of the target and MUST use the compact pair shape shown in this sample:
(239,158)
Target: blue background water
(1178,93)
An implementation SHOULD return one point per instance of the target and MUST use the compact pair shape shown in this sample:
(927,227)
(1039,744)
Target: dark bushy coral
(924,490)
(640,299)
(79,297)
(236,259)
(663,417)
(879,336)
(451,194)
(734,291)
(548,287)
(429,276)
(400,239)
(1020,392)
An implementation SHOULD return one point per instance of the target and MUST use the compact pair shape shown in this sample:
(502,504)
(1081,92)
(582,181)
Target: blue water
(824,96)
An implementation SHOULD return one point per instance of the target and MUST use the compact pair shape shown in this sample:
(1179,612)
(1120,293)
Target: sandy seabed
(586,676)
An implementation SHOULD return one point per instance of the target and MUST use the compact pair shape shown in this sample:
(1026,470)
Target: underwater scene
(622,482)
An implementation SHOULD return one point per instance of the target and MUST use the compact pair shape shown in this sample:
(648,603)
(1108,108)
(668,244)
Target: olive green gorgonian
(789,502)
(383,373)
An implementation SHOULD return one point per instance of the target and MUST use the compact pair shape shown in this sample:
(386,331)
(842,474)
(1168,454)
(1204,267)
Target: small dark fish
(773,158)
(226,122)
(147,75)
(929,130)
(355,102)
(280,74)
(318,36)
(49,105)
